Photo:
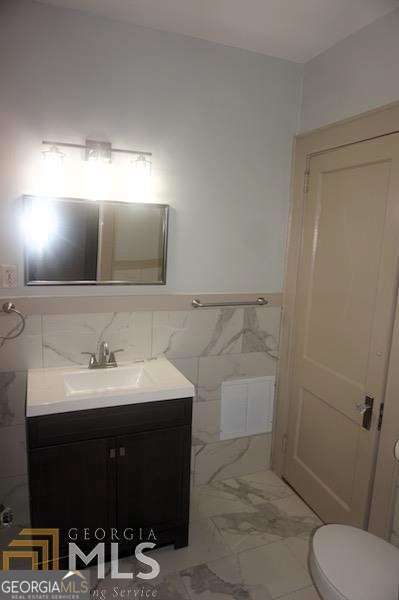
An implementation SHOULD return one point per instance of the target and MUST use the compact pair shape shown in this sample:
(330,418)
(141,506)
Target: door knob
(396,450)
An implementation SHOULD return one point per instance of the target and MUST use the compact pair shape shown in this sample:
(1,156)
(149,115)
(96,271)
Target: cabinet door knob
(112,453)
(122,451)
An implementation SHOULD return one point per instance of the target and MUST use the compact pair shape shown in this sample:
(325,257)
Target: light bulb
(52,171)
(139,183)
(39,224)
(142,166)
(98,178)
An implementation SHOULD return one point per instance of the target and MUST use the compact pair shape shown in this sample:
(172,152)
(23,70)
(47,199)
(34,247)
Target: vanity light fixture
(142,166)
(53,155)
(98,151)
(101,151)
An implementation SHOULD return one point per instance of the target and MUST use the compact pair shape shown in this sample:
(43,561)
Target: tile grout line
(307,587)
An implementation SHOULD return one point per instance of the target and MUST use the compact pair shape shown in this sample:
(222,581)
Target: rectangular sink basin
(113,380)
(64,389)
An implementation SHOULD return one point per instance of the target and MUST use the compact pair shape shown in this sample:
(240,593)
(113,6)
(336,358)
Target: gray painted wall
(219,121)
(358,74)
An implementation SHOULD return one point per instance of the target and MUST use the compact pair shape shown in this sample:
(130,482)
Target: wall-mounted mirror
(71,241)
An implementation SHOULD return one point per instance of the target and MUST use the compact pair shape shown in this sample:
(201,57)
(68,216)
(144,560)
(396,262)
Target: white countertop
(47,392)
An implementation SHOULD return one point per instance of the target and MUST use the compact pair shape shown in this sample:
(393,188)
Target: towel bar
(196,303)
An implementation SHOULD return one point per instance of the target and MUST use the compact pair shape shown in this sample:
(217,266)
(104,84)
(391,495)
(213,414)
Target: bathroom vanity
(109,451)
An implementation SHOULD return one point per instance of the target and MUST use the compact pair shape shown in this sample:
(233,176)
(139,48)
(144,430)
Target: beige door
(347,285)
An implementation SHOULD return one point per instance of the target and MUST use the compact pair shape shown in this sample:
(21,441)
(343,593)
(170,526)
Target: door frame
(372,124)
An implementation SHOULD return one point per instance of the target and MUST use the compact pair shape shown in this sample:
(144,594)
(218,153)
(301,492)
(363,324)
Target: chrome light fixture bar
(98,150)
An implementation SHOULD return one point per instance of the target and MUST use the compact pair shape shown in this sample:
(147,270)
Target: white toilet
(351,564)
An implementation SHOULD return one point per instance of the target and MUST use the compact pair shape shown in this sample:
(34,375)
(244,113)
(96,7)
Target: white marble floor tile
(205,544)
(274,567)
(308,593)
(221,580)
(170,587)
(218,498)
(265,485)
(239,494)
(300,547)
(260,552)
(270,521)
(243,531)
(295,507)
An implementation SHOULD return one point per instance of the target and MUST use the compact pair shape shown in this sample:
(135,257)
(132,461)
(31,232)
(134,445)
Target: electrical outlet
(9,277)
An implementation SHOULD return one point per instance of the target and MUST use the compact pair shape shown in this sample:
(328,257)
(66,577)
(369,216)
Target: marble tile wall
(208,346)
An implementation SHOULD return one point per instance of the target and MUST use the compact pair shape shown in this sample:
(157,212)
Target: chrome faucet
(103,355)
(106,358)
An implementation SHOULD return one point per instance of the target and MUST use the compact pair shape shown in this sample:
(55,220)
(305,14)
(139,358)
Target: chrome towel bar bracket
(196,303)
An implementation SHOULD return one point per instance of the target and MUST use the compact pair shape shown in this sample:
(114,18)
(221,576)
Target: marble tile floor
(249,540)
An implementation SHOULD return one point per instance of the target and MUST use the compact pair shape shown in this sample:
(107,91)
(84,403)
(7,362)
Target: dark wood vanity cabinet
(125,467)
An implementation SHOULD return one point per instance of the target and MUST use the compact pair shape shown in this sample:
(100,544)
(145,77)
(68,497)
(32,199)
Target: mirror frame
(165,227)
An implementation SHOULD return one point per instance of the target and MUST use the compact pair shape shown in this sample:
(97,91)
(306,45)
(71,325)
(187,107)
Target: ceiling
(296,30)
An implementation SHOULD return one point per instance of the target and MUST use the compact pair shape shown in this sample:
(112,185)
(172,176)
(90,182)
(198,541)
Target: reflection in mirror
(72,241)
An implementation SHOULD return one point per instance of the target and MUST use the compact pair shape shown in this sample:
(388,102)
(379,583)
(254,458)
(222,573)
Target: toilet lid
(359,565)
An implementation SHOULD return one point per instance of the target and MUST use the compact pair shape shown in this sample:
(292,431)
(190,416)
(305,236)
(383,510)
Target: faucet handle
(93,359)
(112,359)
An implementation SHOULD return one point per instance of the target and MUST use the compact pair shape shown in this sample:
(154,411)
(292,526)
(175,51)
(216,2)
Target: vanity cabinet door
(154,479)
(73,486)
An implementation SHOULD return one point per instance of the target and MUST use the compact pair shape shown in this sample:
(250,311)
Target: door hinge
(306,182)
(380,416)
(284,444)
